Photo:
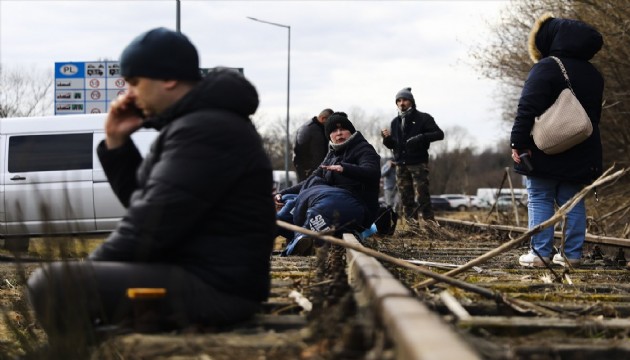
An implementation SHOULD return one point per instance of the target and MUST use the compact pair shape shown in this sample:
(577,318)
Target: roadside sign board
(87,87)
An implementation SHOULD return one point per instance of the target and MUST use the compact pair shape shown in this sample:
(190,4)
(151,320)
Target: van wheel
(462,208)
(16,244)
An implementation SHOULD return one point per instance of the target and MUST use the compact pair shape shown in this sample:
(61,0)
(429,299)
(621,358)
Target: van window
(50,152)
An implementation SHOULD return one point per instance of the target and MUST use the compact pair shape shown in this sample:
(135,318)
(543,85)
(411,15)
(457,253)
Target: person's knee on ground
(63,307)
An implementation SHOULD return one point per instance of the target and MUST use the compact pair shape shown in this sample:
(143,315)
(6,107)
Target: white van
(51,180)
(280,179)
(490,195)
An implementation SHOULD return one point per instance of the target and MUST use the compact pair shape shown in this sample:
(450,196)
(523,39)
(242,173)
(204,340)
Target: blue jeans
(543,194)
(321,207)
(286,214)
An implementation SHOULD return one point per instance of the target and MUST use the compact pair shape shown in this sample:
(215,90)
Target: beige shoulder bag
(564,124)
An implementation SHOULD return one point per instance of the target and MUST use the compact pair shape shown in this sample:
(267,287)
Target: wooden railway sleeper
(520,306)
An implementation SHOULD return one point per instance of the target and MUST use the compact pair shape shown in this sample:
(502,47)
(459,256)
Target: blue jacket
(574,43)
(411,146)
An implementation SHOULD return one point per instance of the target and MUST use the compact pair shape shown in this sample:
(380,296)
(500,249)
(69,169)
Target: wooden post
(514,206)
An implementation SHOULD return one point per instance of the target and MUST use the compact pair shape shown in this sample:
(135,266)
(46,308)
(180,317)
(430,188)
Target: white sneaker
(532,260)
(559,259)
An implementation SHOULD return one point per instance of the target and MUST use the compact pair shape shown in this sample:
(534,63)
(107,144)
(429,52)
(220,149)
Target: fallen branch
(441,265)
(562,211)
(595,239)
(454,306)
(514,322)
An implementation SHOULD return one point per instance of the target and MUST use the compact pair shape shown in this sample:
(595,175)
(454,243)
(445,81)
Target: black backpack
(386,220)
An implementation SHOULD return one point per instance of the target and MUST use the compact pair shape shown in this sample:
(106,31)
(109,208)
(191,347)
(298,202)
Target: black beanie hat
(160,54)
(338,120)
(405,94)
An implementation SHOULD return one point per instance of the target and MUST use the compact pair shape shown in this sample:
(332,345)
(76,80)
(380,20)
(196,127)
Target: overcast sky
(344,54)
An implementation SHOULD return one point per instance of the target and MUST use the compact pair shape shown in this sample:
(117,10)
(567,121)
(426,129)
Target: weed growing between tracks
(18,332)
(20,335)
(339,328)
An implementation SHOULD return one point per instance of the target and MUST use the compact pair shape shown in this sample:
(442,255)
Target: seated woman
(342,195)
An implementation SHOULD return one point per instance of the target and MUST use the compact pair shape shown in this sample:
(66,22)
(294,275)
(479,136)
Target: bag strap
(564,73)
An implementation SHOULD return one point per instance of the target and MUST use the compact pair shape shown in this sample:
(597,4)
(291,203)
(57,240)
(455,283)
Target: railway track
(585,311)
(343,304)
(354,309)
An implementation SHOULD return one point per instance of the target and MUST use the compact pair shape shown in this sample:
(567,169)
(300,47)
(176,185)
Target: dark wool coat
(361,174)
(574,43)
(311,146)
(411,145)
(201,199)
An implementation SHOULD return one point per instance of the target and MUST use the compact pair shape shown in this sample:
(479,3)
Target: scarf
(337,147)
(403,114)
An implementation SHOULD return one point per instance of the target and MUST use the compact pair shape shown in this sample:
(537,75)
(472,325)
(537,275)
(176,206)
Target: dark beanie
(160,54)
(405,94)
(338,120)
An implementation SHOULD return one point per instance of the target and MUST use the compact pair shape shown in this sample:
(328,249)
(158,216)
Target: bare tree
(505,58)
(370,126)
(273,134)
(450,166)
(612,19)
(25,92)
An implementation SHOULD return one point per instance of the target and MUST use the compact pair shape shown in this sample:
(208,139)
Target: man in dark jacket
(412,132)
(556,178)
(200,223)
(311,145)
(342,193)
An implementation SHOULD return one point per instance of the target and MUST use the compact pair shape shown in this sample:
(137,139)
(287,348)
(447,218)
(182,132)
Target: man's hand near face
(122,120)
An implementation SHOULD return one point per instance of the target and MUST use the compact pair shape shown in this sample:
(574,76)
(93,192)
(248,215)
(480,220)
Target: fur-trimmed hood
(563,38)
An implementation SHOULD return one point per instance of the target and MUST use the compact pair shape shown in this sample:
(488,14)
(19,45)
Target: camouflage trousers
(413,183)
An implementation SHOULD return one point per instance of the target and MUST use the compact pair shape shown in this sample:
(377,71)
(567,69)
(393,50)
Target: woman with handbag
(561,50)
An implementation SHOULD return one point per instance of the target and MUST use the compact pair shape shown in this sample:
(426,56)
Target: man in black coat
(311,145)
(200,223)
(412,132)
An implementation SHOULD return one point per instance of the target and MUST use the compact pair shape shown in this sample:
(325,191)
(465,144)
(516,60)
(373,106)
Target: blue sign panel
(69,70)
(87,87)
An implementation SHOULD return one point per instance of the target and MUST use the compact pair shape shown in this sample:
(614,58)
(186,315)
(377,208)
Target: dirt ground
(18,330)
(336,329)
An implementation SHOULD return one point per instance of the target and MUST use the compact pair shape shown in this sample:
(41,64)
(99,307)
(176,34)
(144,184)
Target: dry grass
(16,318)
(59,247)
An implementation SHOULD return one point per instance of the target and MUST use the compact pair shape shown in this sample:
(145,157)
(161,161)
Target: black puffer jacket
(361,174)
(201,199)
(311,146)
(411,146)
(574,43)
